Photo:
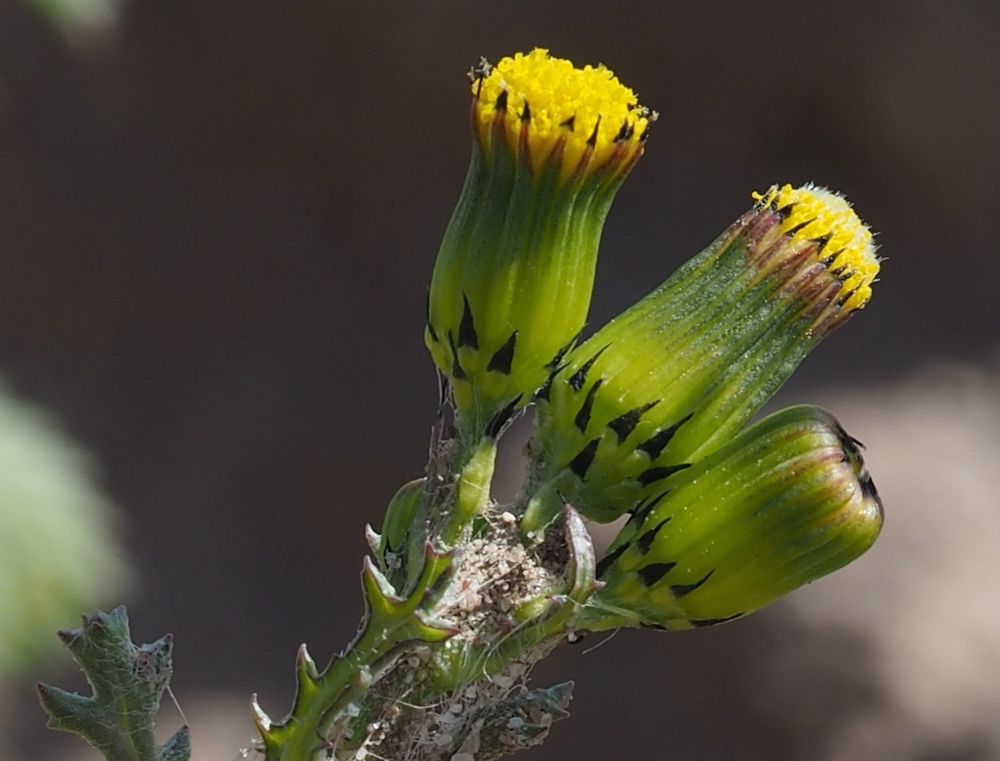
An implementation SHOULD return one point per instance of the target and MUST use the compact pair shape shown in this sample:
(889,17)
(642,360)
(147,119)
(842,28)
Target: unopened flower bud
(786,502)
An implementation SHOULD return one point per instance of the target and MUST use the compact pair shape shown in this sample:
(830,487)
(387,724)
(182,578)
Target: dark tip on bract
(526,112)
(645,541)
(499,421)
(653,572)
(557,359)
(849,443)
(785,211)
(623,425)
(592,140)
(579,378)
(700,623)
(679,590)
(582,419)
(501,104)
(467,328)
(581,463)
(799,227)
(652,475)
(655,444)
(568,123)
(869,490)
(456,367)
(821,242)
(642,510)
(608,560)
(502,360)
(830,257)
(545,389)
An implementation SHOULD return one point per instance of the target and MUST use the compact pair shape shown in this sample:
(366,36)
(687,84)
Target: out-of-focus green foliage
(57,553)
(78,18)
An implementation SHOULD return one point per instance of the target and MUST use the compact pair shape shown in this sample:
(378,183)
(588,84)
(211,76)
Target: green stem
(393,624)
(396,624)
(342,679)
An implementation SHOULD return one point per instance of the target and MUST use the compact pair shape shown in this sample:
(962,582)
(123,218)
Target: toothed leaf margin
(127,681)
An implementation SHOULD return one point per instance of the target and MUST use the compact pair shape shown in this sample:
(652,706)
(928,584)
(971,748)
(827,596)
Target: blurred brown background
(218,220)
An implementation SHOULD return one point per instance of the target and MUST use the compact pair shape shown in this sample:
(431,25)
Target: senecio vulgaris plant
(646,418)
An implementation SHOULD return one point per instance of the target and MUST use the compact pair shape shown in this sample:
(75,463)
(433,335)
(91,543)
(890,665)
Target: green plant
(646,418)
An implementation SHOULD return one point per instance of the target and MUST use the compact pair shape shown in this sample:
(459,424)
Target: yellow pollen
(812,213)
(586,107)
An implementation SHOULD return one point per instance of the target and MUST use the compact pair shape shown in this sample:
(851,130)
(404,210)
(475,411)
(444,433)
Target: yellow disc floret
(550,101)
(815,214)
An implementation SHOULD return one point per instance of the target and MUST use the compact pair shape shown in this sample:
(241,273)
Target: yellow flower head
(550,110)
(811,214)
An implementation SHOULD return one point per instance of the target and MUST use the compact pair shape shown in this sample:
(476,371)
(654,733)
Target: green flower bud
(786,502)
(513,278)
(686,368)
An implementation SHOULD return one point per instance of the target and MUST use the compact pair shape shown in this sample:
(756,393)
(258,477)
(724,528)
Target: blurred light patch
(924,601)
(80,21)
(58,557)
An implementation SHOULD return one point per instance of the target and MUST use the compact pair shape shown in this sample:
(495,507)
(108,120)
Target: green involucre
(513,279)
(676,375)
